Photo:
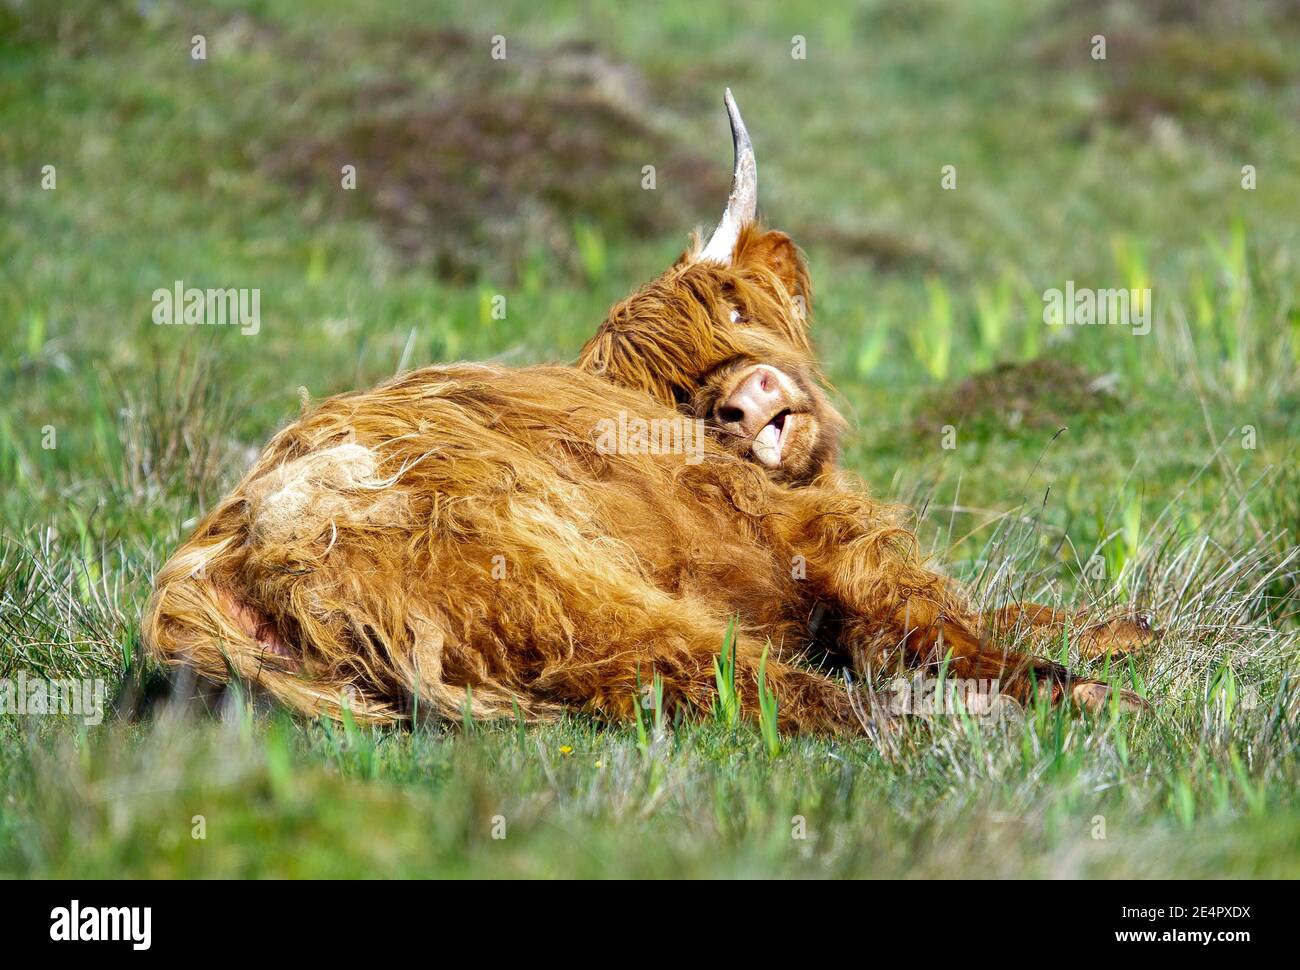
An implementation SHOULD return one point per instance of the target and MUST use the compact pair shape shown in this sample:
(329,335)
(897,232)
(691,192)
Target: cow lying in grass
(463,537)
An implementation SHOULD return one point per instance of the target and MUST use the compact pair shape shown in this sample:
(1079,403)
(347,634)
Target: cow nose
(752,401)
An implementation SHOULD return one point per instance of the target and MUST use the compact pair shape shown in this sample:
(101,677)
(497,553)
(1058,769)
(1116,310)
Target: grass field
(1175,489)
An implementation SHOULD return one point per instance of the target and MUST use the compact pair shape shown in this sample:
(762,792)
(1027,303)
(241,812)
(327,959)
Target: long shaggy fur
(455,539)
(677,328)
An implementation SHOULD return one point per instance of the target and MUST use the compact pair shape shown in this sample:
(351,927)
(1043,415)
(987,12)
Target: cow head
(724,335)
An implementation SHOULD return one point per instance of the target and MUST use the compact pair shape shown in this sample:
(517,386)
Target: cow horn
(742,203)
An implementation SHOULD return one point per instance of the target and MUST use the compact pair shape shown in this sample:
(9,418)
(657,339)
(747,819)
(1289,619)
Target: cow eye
(735,316)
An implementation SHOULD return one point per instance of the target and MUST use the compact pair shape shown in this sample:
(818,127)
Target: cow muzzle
(765,407)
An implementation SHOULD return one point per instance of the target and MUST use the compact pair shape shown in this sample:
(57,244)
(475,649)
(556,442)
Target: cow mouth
(770,442)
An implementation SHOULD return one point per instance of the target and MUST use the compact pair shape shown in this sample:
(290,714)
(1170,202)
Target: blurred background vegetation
(523,177)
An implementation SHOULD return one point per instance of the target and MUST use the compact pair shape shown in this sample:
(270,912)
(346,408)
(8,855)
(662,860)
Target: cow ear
(772,252)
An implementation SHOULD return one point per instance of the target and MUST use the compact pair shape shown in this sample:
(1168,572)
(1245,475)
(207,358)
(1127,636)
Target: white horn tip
(742,203)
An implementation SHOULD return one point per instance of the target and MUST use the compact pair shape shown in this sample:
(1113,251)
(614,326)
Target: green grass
(1174,488)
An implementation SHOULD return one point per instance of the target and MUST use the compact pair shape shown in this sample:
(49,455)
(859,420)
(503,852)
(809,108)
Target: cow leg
(1123,634)
(860,559)
(928,639)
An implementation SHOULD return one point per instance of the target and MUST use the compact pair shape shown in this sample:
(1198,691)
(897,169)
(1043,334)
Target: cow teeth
(767,446)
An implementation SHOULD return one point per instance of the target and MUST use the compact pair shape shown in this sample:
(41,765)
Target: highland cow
(456,540)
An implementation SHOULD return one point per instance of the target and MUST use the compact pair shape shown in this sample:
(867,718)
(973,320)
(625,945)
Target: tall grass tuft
(932,335)
(767,710)
(648,734)
(726,707)
(171,434)
(68,604)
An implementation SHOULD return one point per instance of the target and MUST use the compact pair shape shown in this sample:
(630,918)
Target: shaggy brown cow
(465,537)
